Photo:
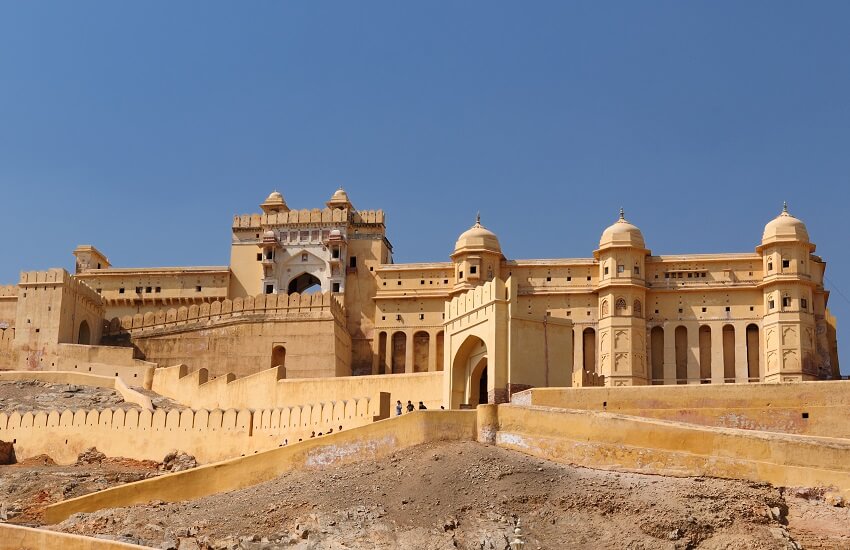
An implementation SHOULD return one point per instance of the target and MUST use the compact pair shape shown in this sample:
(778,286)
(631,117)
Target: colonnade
(409,350)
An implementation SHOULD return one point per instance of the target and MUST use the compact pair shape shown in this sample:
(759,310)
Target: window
(620,304)
(100,291)
(335,253)
(752,308)
(569,279)
(473,269)
(637,308)
(606,270)
(804,304)
(335,287)
(269,289)
(728,308)
(399,283)
(421,281)
(120,291)
(259,256)
(637,270)
(445,281)
(352,261)
(786,264)
(158,289)
(548,279)
(786,301)
(138,290)
(770,266)
(771,304)
(305,236)
(460,274)
(148,290)
(621,268)
(690,275)
(198,288)
(703,310)
(680,310)
(421,316)
(304,256)
(588,277)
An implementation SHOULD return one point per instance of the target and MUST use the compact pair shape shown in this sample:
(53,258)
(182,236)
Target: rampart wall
(268,389)
(18,537)
(807,408)
(308,216)
(241,335)
(208,435)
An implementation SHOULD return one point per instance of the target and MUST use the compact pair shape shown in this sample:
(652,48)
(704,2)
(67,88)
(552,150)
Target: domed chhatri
(478,238)
(622,233)
(784,227)
(274,203)
(339,200)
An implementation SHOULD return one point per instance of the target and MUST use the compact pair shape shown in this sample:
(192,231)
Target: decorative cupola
(340,200)
(274,203)
(477,256)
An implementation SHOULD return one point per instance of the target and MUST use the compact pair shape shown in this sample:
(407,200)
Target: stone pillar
(741,371)
(693,354)
(717,353)
(432,352)
(408,352)
(578,355)
(669,354)
(388,354)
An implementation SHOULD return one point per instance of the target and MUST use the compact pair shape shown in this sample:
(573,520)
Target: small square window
(352,261)
(158,289)
(422,281)
(728,308)
(421,316)
(138,290)
(680,310)
(690,275)
(398,283)
(569,279)
(259,256)
(605,271)
(304,256)
(656,312)
(335,287)
(588,314)
(770,266)
(120,291)
(786,264)
(198,288)
(786,301)
(752,308)
(804,303)
(637,270)
(460,274)
(473,269)
(383,317)
(588,277)
(385,283)
(621,268)
(703,310)
(148,289)
(548,279)
(269,289)
(445,281)
(771,304)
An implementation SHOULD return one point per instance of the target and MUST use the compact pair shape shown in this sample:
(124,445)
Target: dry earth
(468,496)
(34,395)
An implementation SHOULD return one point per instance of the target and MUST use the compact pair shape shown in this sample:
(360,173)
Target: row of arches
(705,355)
(621,308)
(410,351)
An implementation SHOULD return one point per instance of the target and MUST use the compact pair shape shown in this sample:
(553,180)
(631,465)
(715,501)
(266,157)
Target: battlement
(278,306)
(477,297)
(59,277)
(308,216)
(8,291)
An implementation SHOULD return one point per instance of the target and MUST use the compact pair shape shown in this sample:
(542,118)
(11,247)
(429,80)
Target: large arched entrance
(84,334)
(470,382)
(304,284)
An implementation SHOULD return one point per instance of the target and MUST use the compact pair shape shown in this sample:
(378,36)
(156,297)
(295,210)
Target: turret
(622,300)
(477,257)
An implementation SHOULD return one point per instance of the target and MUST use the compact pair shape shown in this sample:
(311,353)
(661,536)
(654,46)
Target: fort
(295,354)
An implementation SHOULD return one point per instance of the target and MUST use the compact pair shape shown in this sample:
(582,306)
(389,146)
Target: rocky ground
(469,496)
(33,395)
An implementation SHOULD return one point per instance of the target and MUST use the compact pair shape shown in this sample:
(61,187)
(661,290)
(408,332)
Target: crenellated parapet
(308,217)
(266,306)
(476,298)
(59,277)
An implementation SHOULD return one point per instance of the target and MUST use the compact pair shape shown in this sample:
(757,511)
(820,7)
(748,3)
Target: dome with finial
(274,203)
(478,238)
(339,199)
(784,227)
(622,233)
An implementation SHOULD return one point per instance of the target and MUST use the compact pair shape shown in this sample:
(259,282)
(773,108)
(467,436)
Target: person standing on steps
(398,408)
(409,406)
(422,406)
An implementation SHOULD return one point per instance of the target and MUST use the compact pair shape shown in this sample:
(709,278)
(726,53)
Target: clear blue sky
(142,128)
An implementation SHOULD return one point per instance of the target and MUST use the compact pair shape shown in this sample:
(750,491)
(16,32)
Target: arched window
(604,308)
(637,309)
(620,305)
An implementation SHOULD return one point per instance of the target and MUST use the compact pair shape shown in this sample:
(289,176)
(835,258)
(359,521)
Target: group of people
(409,407)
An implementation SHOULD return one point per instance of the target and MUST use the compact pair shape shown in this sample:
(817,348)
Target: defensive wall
(585,438)
(18,537)
(308,216)
(83,379)
(208,435)
(305,333)
(268,389)
(8,305)
(806,408)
